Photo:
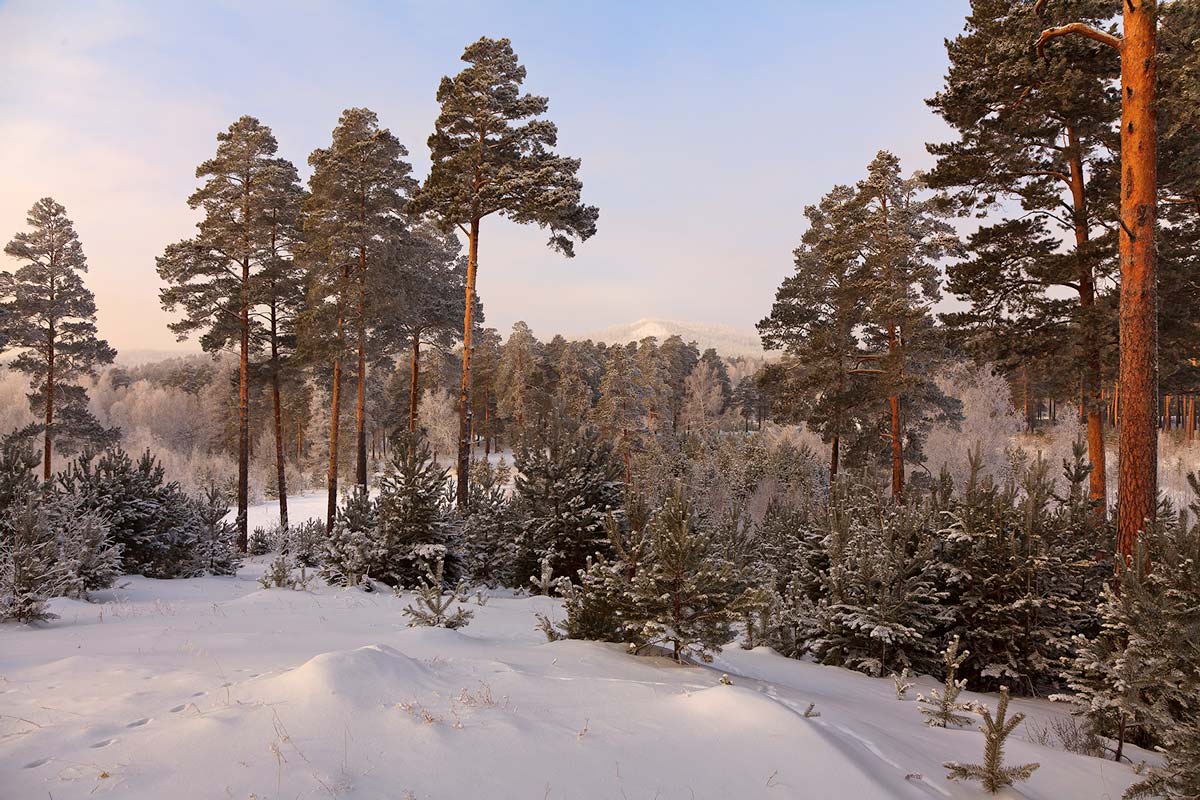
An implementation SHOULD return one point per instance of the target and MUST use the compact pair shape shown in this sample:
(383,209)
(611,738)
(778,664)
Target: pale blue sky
(704,129)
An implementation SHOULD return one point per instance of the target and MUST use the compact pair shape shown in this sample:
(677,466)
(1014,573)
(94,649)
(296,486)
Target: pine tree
(218,278)
(151,519)
(717,364)
(1179,179)
(817,317)
(1041,132)
(29,571)
(47,313)
(282,288)
(85,555)
(488,541)
(683,593)
(654,371)
(565,488)
(904,234)
(409,514)
(352,225)
(426,297)
(703,400)
(942,708)
(433,602)
(521,382)
(485,362)
(1137,484)
(216,550)
(992,773)
(620,413)
(492,155)
(579,374)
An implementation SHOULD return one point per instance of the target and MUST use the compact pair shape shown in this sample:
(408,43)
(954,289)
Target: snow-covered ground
(216,688)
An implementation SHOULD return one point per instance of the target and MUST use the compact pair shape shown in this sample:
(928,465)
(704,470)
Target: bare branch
(1080,28)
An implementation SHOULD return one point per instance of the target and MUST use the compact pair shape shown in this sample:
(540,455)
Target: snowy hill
(214,687)
(726,339)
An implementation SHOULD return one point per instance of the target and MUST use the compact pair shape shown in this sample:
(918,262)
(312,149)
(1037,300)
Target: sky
(705,128)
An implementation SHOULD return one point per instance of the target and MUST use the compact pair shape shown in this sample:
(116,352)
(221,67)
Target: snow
(214,687)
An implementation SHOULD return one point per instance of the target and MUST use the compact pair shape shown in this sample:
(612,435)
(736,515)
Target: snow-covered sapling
(941,707)
(28,570)
(280,575)
(432,607)
(902,683)
(544,581)
(992,772)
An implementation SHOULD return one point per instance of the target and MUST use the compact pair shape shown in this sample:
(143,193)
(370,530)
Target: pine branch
(1080,28)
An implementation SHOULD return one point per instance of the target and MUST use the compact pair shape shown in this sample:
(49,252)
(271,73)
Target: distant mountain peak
(727,340)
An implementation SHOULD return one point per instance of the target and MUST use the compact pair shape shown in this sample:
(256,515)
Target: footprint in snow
(199,694)
(101,743)
(178,708)
(137,723)
(36,763)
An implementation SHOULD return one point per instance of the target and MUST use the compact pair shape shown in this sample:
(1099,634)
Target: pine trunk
(464,399)
(833,458)
(243,488)
(331,480)
(414,392)
(360,405)
(1097,486)
(1191,418)
(1137,486)
(487,429)
(48,453)
(280,463)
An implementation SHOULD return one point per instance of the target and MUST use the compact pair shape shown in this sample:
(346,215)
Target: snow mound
(366,677)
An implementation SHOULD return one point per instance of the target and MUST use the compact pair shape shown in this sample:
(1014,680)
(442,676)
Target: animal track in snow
(137,723)
(101,743)
(36,763)
(178,708)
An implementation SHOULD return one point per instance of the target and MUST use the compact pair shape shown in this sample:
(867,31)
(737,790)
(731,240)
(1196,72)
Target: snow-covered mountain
(726,339)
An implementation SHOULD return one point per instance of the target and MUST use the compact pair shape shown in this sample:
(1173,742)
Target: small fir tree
(29,571)
(410,515)
(151,519)
(353,554)
(883,604)
(683,593)
(941,708)
(992,772)
(216,550)
(86,556)
(488,541)
(1140,676)
(433,603)
(565,491)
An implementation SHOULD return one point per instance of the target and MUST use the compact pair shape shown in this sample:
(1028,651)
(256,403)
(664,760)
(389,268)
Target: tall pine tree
(217,277)
(816,319)
(1137,443)
(492,155)
(47,311)
(353,223)
(1038,132)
